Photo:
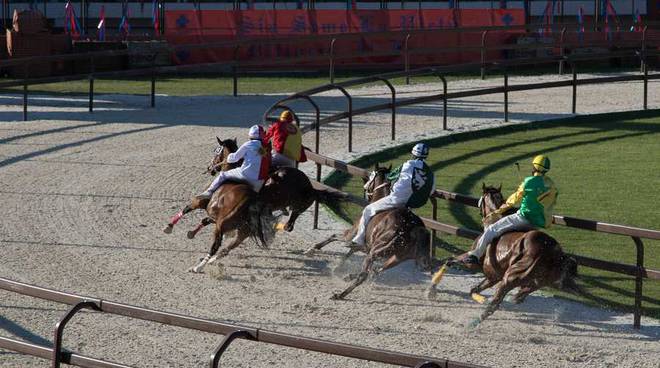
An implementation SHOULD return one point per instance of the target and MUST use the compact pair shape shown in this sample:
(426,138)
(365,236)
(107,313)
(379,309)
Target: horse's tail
(261,223)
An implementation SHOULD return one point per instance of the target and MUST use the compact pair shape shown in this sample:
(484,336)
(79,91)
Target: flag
(580,20)
(155,18)
(637,22)
(71,26)
(101,26)
(124,26)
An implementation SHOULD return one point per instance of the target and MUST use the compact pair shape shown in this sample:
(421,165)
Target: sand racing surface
(85,197)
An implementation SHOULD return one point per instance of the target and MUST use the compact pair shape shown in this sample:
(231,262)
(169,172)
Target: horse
(394,235)
(529,260)
(285,189)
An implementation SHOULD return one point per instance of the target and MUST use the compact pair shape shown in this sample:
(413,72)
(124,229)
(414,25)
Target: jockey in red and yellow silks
(286,139)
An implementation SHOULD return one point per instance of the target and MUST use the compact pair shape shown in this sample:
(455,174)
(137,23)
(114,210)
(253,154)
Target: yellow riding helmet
(541,163)
(286,116)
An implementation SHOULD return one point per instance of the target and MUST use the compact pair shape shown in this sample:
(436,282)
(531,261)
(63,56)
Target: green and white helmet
(421,150)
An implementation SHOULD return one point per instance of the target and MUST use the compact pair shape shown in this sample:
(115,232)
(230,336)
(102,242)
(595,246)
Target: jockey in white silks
(413,185)
(255,165)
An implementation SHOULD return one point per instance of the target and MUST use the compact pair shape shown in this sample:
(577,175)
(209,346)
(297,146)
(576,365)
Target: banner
(207,26)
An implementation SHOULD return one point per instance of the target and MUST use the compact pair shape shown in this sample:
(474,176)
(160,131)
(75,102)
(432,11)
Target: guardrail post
(638,281)
(217,354)
(59,329)
(91,84)
(153,81)
(506,96)
(332,62)
(350,116)
(483,54)
(561,48)
(574,71)
(406,58)
(642,65)
(444,99)
(234,70)
(646,82)
(434,203)
(25,91)
(444,103)
(393,104)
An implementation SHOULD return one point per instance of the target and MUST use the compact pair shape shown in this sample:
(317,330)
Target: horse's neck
(380,194)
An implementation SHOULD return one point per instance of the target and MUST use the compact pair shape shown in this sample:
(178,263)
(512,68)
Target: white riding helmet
(256,132)
(420,150)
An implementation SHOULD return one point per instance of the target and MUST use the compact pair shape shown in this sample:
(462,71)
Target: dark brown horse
(529,260)
(394,235)
(285,189)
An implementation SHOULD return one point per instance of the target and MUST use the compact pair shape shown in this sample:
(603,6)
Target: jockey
(287,141)
(256,163)
(536,195)
(413,184)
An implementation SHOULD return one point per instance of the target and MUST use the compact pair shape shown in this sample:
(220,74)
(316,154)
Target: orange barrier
(194,27)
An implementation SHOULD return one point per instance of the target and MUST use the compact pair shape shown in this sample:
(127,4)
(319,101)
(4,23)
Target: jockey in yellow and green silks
(536,195)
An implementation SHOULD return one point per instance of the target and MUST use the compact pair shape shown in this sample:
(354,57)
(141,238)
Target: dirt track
(86,195)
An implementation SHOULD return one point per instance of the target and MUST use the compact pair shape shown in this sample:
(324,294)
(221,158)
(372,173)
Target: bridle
(368,190)
(213,168)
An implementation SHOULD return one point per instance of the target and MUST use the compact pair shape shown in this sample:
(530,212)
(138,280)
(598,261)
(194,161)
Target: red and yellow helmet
(286,116)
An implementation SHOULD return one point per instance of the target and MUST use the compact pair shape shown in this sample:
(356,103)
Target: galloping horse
(395,235)
(529,260)
(285,188)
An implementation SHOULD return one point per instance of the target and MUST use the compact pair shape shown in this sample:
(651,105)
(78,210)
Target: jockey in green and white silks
(536,195)
(413,184)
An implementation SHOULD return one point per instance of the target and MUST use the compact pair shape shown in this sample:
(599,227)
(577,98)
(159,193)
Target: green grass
(222,84)
(607,168)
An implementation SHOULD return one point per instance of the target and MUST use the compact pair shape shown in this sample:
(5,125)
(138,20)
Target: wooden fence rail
(231,332)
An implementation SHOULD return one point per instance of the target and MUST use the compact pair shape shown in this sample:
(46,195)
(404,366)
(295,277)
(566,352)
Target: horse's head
(491,200)
(568,272)
(377,186)
(219,163)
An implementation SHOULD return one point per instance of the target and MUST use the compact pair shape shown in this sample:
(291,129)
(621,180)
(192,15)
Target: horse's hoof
(309,252)
(191,234)
(336,296)
(168,229)
(288,228)
(431,293)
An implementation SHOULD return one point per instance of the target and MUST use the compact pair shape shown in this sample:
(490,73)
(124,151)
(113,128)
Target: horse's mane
(231,144)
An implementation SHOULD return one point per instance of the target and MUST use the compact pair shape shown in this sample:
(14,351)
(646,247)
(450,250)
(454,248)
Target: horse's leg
(501,292)
(205,221)
(168,228)
(217,242)
(523,292)
(483,285)
(196,203)
(322,244)
(241,235)
(297,208)
(391,262)
(366,266)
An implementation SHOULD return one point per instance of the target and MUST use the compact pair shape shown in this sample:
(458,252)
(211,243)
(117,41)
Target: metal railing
(230,331)
(331,57)
(637,270)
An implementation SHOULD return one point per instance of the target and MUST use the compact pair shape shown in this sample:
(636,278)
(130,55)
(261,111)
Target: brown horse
(285,189)
(394,235)
(529,260)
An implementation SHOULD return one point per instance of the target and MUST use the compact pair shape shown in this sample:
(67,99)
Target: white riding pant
(279,160)
(233,174)
(383,204)
(514,222)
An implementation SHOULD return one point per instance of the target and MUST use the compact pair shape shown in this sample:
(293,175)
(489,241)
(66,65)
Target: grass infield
(606,167)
